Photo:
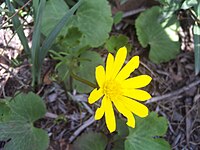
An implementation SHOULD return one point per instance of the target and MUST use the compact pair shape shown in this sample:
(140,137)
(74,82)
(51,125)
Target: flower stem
(83,80)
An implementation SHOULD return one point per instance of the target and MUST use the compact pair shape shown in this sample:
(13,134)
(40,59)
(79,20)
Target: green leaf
(146,134)
(19,129)
(4,111)
(118,17)
(122,133)
(90,141)
(29,106)
(48,42)
(68,63)
(35,51)
(122,129)
(188,4)
(196,10)
(35,7)
(163,46)
(196,31)
(118,145)
(169,8)
(89,60)
(93,19)
(54,11)
(20,2)
(163,2)
(69,42)
(63,70)
(18,28)
(116,42)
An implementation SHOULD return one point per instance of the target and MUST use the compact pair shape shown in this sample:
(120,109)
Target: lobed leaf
(30,106)
(54,11)
(4,111)
(163,46)
(18,130)
(48,42)
(146,134)
(68,42)
(93,19)
(39,53)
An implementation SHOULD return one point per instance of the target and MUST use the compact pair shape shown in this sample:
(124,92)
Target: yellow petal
(109,115)
(100,75)
(135,107)
(136,82)
(119,61)
(95,95)
(99,113)
(128,68)
(109,66)
(137,94)
(127,113)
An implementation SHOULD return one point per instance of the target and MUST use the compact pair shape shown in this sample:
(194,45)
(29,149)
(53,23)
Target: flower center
(112,89)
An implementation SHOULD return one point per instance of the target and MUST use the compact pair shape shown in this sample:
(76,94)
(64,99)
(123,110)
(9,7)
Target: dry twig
(79,130)
(133,12)
(14,75)
(175,93)
(17,12)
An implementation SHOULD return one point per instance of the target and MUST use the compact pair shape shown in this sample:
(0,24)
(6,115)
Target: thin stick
(15,13)
(51,115)
(79,130)
(175,93)
(15,76)
(133,12)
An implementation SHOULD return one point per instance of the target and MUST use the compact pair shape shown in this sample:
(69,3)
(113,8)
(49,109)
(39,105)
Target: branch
(175,93)
(16,13)
(79,130)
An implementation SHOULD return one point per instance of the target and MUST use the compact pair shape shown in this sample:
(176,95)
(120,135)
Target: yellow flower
(115,87)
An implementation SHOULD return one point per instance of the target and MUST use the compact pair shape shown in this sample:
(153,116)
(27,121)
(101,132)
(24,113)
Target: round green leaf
(90,141)
(4,111)
(18,129)
(54,11)
(29,106)
(94,20)
(150,31)
(23,136)
(146,134)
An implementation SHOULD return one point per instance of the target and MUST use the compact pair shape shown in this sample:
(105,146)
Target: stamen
(112,89)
